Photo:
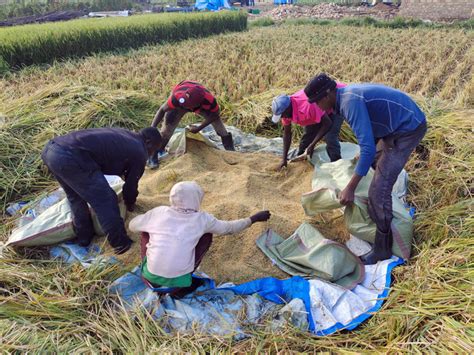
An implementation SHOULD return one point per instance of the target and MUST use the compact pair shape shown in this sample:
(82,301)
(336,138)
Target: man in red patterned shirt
(189,96)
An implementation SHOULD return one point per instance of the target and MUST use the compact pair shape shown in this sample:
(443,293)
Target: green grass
(36,44)
(48,113)
(262,22)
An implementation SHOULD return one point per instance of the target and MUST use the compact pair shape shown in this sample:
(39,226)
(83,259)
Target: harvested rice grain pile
(236,185)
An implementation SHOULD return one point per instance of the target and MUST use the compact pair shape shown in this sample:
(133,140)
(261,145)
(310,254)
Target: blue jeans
(84,183)
(393,152)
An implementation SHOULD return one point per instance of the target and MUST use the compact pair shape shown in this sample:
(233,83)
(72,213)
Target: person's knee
(108,213)
(78,205)
(44,157)
(380,198)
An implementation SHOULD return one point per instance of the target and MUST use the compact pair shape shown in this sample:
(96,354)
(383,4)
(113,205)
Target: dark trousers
(393,152)
(84,183)
(333,147)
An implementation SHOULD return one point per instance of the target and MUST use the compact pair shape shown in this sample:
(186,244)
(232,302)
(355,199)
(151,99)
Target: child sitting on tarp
(175,239)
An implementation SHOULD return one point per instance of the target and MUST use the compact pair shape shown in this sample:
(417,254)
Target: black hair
(319,86)
(151,135)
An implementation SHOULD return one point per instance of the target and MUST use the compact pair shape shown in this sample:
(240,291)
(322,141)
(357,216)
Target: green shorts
(180,281)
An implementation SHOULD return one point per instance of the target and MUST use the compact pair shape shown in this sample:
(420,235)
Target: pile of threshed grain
(236,185)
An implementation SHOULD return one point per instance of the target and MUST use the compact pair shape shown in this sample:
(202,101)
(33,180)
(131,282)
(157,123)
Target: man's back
(389,110)
(192,96)
(115,150)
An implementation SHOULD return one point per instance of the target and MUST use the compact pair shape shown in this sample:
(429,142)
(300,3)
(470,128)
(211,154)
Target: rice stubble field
(48,306)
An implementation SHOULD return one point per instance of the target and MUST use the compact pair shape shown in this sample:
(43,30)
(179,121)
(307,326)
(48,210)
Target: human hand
(261,216)
(310,150)
(194,129)
(347,196)
(283,164)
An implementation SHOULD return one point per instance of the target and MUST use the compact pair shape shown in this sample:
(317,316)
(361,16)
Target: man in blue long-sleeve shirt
(388,126)
(79,161)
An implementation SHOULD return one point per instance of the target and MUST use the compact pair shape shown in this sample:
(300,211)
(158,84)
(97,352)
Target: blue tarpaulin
(283,2)
(212,5)
(314,305)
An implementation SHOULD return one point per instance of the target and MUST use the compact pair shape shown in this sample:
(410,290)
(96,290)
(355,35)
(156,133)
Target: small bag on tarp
(330,179)
(54,225)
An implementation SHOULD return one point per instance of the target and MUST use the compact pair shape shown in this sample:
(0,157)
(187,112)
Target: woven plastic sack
(307,253)
(330,179)
(177,144)
(54,225)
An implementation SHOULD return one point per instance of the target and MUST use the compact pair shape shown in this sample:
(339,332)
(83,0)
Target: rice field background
(44,43)
(46,306)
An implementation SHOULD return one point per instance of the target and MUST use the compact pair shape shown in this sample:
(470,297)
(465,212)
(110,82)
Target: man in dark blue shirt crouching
(80,159)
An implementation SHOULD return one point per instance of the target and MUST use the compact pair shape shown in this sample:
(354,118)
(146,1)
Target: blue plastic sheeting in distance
(283,2)
(212,5)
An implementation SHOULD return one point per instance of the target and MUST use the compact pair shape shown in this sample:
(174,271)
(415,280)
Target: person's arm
(138,223)
(209,118)
(347,195)
(160,114)
(326,124)
(287,135)
(145,222)
(358,118)
(218,227)
(130,188)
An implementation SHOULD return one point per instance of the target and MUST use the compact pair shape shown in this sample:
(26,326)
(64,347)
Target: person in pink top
(316,122)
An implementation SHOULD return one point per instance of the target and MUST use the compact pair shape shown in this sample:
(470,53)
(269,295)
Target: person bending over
(388,126)
(317,124)
(189,96)
(80,159)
